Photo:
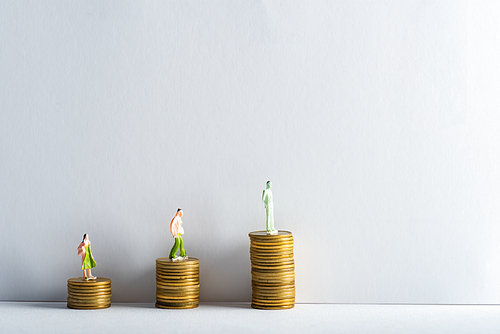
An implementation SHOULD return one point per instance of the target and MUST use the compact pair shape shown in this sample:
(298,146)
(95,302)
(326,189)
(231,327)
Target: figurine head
(179,212)
(268,185)
(85,237)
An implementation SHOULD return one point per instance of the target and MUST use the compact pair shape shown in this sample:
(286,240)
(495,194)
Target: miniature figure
(177,232)
(267,198)
(88,261)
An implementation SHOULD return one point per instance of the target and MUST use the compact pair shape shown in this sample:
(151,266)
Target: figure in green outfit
(177,232)
(267,198)
(88,261)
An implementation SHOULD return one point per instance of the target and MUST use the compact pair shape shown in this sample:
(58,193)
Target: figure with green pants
(177,232)
(267,198)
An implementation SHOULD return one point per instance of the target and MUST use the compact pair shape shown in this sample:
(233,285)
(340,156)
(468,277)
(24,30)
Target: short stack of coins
(89,294)
(273,270)
(177,283)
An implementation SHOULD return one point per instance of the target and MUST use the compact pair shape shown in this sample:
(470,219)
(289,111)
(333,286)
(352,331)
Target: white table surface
(55,317)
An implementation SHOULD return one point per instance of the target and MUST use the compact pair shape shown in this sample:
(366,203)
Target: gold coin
(287,266)
(79,281)
(90,289)
(88,307)
(177,287)
(268,253)
(165,261)
(270,273)
(176,307)
(273,271)
(90,297)
(179,304)
(178,296)
(173,299)
(263,292)
(272,243)
(178,269)
(178,283)
(268,245)
(280,287)
(161,284)
(177,292)
(89,293)
(192,294)
(264,307)
(273,302)
(270,265)
(89,300)
(264,234)
(263,277)
(268,260)
(187,290)
(273,297)
(275,257)
(179,274)
(272,279)
(274,289)
(177,278)
(270,282)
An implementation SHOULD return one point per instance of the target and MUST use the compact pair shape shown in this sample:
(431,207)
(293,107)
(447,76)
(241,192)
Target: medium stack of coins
(177,283)
(89,294)
(273,270)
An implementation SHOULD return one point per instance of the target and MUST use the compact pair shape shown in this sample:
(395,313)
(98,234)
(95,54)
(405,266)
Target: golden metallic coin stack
(89,294)
(273,270)
(177,283)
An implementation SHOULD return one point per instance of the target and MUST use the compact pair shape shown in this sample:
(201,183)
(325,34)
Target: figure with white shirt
(177,232)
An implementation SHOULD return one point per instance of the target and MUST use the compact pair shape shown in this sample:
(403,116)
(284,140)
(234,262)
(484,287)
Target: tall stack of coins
(89,294)
(177,283)
(273,270)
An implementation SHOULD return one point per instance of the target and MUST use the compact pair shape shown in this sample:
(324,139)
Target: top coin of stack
(89,294)
(177,283)
(273,270)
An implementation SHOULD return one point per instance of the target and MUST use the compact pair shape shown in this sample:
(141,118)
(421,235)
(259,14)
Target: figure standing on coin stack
(273,267)
(177,278)
(267,198)
(177,232)
(88,261)
(88,292)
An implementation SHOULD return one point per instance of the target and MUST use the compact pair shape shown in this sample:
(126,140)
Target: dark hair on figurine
(268,182)
(84,236)
(179,209)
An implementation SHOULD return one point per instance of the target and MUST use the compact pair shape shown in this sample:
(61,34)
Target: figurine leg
(270,221)
(183,251)
(90,275)
(175,247)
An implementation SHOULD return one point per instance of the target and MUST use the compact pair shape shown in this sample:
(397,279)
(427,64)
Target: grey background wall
(376,121)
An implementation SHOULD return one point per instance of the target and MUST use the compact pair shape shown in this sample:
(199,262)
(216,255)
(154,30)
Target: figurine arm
(173,226)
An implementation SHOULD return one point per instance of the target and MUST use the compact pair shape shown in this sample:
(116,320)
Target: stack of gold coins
(273,270)
(89,294)
(177,283)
